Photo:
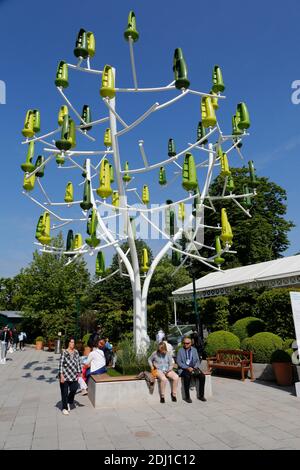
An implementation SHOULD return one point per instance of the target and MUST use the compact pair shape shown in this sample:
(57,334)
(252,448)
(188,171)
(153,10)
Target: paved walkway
(239,416)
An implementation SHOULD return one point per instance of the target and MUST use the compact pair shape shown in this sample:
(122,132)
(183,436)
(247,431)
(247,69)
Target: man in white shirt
(96,362)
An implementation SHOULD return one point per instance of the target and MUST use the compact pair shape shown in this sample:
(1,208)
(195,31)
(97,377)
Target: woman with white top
(96,362)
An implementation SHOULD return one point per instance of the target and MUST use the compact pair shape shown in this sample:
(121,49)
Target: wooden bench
(232,359)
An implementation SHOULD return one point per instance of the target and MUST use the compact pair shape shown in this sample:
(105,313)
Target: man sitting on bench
(189,366)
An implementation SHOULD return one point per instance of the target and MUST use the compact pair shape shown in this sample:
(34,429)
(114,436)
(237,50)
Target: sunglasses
(187,343)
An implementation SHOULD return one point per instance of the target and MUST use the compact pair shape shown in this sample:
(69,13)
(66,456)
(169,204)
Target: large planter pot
(86,350)
(283,372)
(39,345)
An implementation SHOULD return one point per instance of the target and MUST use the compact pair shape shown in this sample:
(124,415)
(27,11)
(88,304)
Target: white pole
(141,339)
(175,313)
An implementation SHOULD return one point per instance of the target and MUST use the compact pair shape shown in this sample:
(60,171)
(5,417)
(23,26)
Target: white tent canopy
(281,272)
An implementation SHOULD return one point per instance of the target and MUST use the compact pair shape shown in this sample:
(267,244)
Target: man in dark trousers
(189,366)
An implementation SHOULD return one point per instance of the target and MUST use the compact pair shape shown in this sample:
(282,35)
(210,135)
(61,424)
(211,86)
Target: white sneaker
(65,412)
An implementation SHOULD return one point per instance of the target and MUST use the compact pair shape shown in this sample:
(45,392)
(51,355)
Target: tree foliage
(48,292)
(262,237)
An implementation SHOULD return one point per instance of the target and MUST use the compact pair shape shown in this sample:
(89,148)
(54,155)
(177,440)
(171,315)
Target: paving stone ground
(249,415)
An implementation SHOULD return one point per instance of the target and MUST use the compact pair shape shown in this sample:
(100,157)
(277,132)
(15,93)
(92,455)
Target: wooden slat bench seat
(233,360)
(118,378)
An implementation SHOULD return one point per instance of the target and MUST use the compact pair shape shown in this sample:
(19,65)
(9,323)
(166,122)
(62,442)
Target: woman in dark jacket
(69,371)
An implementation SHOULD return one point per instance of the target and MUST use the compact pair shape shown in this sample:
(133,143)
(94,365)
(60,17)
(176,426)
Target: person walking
(160,335)
(69,371)
(161,366)
(21,340)
(15,338)
(198,343)
(4,339)
(189,366)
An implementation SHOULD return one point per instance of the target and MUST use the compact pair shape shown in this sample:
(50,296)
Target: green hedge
(221,340)
(287,343)
(262,345)
(247,327)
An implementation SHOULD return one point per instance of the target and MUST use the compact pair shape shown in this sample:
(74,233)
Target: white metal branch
(70,104)
(130,42)
(171,159)
(83,69)
(139,120)
(106,102)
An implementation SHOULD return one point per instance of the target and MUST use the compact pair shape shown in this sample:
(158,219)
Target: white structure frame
(140,292)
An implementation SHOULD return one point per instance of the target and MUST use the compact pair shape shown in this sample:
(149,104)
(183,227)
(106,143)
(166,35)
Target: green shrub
(262,345)
(274,308)
(279,355)
(127,360)
(39,338)
(287,343)
(85,339)
(247,327)
(290,352)
(221,340)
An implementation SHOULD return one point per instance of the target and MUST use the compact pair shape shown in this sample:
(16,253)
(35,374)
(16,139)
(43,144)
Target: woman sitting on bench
(96,361)
(162,367)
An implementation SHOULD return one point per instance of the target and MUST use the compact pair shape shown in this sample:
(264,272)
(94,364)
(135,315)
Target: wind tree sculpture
(109,166)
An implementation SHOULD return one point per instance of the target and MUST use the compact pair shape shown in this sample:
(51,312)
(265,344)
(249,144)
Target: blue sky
(255,45)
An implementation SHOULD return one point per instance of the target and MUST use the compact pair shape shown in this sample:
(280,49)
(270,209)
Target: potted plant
(282,367)
(39,343)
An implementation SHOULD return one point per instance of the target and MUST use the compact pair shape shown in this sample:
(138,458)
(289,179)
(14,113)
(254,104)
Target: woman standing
(69,371)
(161,366)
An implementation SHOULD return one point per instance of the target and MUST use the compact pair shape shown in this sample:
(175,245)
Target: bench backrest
(233,356)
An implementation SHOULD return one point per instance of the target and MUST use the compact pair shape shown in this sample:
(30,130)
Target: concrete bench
(105,391)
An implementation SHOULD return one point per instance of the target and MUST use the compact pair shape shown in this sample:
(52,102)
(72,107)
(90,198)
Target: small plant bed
(113,372)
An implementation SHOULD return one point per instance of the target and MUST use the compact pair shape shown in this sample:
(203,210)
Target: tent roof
(11,313)
(281,272)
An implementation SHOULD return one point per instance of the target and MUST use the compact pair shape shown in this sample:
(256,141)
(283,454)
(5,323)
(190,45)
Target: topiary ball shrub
(279,355)
(262,345)
(247,327)
(221,340)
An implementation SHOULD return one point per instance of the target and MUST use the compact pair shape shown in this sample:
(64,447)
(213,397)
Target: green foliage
(85,339)
(243,303)
(279,355)
(112,301)
(221,340)
(262,237)
(276,312)
(262,345)
(48,291)
(247,327)
(39,338)
(215,313)
(287,343)
(290,352)
(128,362)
